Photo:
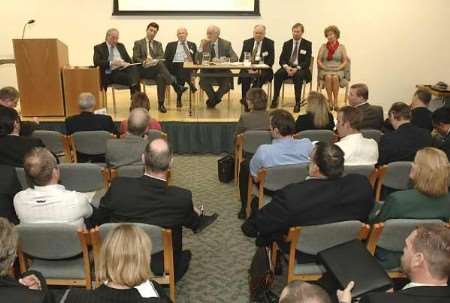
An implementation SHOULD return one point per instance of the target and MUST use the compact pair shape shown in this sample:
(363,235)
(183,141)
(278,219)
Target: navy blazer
(304,55)
(101,59)
(171,49)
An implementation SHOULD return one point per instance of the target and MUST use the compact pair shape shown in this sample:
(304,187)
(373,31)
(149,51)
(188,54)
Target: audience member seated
(31,287)
(9,97)
(139,100)
(124,271)
(284,150)
(420,114)
(406,139)
(426,263)
(317,114)
(372,114)
(324,197)
(47,201)
(258,117)
(12,146)
(441,123)
(428,200)
(9,186)
(357,149)
(303,292)
(148,199)
(128,150)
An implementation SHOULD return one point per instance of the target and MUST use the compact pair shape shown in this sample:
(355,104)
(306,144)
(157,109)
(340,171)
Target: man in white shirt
(47,201)
(357,149)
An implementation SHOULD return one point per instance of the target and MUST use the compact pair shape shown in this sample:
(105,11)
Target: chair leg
(282,94)
(114,100)
(145,91)
(270,90)
(346,94)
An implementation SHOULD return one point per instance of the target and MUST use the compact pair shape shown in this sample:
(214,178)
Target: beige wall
(393,44)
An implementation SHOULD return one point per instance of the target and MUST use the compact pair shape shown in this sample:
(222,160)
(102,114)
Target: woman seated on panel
(124,271)
(139,100)
(428,200)
(317,114)
(332,63)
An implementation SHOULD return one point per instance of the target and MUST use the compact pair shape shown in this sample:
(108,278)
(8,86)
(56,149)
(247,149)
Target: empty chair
(395,176)
(91,143)
(56,251)
(55,141)
(372,134)
(322,135)
(161,241)
(272,179)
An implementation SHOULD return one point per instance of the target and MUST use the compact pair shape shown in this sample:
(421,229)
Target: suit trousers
(298,78)
(128,76)
(246,82)
(162,77)
(181,74)
(225,84)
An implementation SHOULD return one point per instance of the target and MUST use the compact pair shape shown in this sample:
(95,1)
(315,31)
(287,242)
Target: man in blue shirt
(284,150)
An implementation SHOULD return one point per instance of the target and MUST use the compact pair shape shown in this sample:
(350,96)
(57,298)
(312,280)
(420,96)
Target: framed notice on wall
(187,7)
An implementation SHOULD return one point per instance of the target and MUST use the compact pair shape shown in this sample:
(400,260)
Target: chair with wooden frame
(56,142)
(272,179)
(304,84)
(89,142)
(395,175)
(366,170)
(321,135)
(312,240)
(54,250)
(161,239)
(372,134)
(131,171)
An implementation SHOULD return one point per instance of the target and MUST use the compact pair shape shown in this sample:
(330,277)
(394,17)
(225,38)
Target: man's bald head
(138,121)
(182,34)
(40,166)
(302,292)
(158,156)
(259,32)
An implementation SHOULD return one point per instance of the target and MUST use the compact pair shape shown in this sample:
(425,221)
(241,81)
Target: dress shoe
(274,104)
(242,214)
(297,107)
(162,108)
(205,221)
(244,102)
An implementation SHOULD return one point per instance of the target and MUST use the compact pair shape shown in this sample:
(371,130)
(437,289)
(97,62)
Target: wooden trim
(22,260)
(67,149)
(380,179)
(96,243)
(294,233)
(374,236)
(106,173)
(261,178)
(73,149)
(238,156)
(84,241)
(248,208)
(373,176)
(363,232)
(169,268)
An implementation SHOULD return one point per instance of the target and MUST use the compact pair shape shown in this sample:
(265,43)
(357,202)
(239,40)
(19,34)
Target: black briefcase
(225,167)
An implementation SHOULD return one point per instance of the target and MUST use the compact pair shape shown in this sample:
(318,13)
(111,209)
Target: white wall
(393,44)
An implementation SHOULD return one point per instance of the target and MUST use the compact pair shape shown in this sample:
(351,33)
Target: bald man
(262,50)
(177,52)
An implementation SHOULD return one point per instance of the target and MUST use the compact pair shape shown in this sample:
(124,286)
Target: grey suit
(125,151)
(372,116)
(159,72)
(225,83)
(254,120)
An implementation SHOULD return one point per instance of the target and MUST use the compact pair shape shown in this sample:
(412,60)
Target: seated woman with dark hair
(317,114)
(124,270)
(139,100)
(428,200)
(258,117)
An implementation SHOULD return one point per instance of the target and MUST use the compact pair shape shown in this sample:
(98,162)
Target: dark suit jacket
(254,120)
(101,59)
(445,145)
(311,202)
(171,49)
(304,60)
(267,46)
(9,187)
(306,122)
(421,117)
(403,143)
(148,200)
(87,121)
(14,148)
(372,116)
(422,294)
(12,291)
(140,50)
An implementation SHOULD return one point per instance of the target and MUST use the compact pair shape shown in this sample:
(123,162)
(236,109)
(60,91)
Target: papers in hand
(151,62)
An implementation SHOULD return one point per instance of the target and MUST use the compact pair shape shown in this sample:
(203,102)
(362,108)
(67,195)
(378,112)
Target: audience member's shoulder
(355,180)
(179,191)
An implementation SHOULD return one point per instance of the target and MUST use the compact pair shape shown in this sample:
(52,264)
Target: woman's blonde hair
(318,107)
(431,172)
(125,256)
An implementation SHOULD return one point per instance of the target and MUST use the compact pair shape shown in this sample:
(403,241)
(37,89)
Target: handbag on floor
(261,276)
(225,166)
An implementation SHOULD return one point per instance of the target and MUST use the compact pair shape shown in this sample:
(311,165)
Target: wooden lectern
(38,67)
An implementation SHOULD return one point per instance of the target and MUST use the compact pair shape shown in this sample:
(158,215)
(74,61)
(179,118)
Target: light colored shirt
(180,54)
(52,204)
(258,51)
(414,284)
(283,151)
(359,150)
(115,54)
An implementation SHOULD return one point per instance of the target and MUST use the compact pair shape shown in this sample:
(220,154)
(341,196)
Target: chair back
(372,134)
(90,142)
(153,134)
(316,238)
(365,170)
(395,232)
(132,171)
(252,139)
(397,175)
(322,135)
(52,140)
(52,241)
(81,177)
(22,177)
(278,177)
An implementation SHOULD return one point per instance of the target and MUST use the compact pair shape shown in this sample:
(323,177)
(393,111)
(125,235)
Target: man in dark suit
(325,197)
(217,48)
(261,50)
(150,53)
(31,288)
(441,123)
(372,114)
(177,52)
(406,139)
(295,60)
(426,262)
(13,147)
(420,114)
(9,187)
(114,62)
(150,200)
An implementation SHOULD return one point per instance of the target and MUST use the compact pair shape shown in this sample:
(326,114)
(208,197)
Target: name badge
(265,54)
(303,52)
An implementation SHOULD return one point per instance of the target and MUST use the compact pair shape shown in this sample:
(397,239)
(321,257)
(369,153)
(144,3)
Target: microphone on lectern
(25,26)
